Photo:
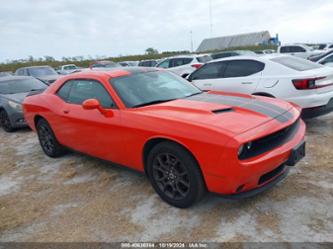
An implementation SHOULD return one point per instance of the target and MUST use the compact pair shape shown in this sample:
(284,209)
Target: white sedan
(305,83)
(183,65)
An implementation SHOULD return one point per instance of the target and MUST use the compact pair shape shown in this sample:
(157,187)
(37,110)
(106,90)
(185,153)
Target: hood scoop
(218,111)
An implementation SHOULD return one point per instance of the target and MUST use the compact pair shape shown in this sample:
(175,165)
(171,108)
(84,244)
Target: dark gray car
(44,73)
(13,90)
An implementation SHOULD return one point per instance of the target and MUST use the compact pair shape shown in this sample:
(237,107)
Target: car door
(89,131)
(208,77)
(237,76)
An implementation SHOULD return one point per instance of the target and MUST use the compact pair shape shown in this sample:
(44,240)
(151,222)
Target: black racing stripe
(235,100)
(253,104)
(261,109)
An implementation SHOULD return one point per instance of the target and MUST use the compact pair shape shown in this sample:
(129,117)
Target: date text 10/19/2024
(164,245)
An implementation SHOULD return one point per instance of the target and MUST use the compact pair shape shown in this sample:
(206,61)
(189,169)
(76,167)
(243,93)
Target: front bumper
(317,111)
(252,175)
(265,187)
(17,120)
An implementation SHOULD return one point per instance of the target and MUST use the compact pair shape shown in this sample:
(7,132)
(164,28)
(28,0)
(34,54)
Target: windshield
(42,71)
(105,65)
(295,63)
(70,67)
(152,87)
(20,86)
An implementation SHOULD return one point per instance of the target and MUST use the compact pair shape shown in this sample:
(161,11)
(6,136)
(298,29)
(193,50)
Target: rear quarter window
(64,90)
(295,63)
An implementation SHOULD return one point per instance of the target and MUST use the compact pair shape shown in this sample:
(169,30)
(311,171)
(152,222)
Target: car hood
(17,97)
(234,113)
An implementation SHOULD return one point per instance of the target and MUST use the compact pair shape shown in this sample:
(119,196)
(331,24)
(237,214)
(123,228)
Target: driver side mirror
(92,104)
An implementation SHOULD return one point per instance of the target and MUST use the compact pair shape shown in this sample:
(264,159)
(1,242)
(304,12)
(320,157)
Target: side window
(177,62)
(284,50)
(297,49)
(242,68)
(209,71)
(20,71)
(329,59)
(82,90)
(63,92)
(164,64)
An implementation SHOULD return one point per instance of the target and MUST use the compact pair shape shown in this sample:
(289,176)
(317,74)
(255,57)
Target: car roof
(115,72)
(238,57)
(261,58)
(183,56)
(7,78)
(34,67)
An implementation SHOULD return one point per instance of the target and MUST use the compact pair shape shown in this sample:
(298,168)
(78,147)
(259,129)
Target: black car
(13,90)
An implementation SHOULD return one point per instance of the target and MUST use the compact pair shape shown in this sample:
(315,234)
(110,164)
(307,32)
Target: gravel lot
(78,198)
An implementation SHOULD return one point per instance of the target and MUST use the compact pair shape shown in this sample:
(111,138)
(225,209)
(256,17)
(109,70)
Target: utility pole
(210,18)
(191,34)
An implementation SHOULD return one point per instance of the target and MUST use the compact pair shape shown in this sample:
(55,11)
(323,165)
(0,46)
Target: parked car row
(231,126)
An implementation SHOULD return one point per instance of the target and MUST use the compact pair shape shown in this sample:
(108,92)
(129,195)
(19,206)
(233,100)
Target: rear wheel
(175,175)
(5,121)
(47,139)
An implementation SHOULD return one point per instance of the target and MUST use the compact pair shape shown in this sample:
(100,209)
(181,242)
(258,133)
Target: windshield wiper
(152,102)
(193,94)
(40,89)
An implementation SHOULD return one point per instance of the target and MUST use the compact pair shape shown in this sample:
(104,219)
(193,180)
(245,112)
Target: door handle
(66,111)
(247,83)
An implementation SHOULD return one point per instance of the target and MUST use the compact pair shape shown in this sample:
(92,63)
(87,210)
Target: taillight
(197,66)
(307,84)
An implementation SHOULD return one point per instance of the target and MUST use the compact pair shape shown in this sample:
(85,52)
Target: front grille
(271,141)
(268,176)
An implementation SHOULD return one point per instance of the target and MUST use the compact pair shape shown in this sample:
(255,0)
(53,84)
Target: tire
(175,175)
(5,122)
(48,141)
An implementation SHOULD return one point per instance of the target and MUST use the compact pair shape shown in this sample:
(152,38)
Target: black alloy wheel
(47,139)
(171,176)
(175,175)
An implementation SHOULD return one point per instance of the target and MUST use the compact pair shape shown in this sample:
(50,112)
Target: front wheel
(47,140)
(5,121)
(175,175)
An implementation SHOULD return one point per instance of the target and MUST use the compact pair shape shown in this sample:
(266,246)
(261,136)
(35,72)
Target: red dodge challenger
(185,140)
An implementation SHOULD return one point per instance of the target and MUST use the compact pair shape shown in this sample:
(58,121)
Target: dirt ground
(78,198)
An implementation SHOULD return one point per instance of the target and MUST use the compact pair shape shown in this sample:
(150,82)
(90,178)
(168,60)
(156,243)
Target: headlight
(14,105)
(244,148)
(240,150)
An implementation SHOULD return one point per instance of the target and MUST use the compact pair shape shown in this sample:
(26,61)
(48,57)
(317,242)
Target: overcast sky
(113,27)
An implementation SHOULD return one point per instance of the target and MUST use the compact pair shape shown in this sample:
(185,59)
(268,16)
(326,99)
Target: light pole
(210,18)
(191,35)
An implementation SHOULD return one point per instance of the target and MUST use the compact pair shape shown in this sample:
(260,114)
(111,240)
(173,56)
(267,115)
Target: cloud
(68,28)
